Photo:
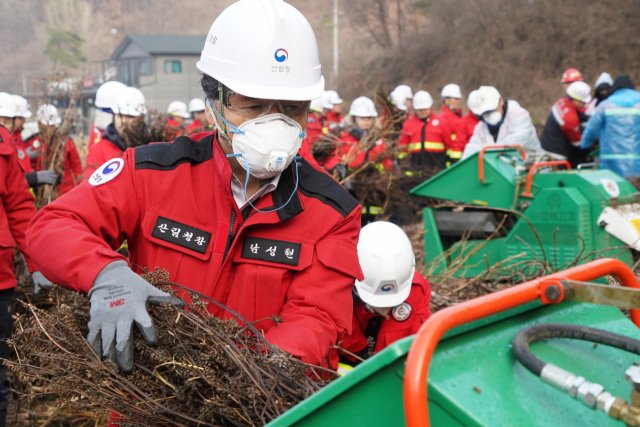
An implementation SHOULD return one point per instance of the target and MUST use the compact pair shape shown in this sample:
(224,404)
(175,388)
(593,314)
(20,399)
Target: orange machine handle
(533,169)
(416,407)
(494,147)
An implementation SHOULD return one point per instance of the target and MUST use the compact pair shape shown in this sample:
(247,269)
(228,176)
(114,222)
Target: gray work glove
(119,299)
(33,153)
(47,177)
(39,282)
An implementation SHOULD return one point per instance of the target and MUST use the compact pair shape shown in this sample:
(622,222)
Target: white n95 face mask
(492,118)
(265,146)
(102,119)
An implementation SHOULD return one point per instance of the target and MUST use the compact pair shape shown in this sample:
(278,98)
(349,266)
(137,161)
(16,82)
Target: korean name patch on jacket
(270,250)
(181,235)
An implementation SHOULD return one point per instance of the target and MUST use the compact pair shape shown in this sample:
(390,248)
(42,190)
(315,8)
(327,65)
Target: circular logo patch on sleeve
(107,172)
(401,312)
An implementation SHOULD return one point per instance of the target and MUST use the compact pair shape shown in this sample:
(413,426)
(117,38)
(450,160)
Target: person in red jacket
(315,130)
(422,136)
(228,214)
(176,115)
(129,105)
(48,121)
(16,210)
(333,110)
(199,123)
(468,123)
(562,133)
(105,97)
(450,116)
(392,301)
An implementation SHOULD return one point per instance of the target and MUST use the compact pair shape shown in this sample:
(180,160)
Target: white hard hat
(22,107)
(451,90)
(196,105)
(399,99)
(333,97)
(48,115)
(178,109)
(473,103)
(422,100)
(604,78)
(406,90)
(388,264)
(264,49)
(107,93)
(7,105)
(317,104)
(130,102)
(580,91)
(326,100)
(488,99)
(363,107)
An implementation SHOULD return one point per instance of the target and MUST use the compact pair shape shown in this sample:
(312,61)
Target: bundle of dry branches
(148,128)
(204,371)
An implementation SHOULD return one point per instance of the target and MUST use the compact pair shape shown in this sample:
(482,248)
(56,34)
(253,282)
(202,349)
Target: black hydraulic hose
(528,335)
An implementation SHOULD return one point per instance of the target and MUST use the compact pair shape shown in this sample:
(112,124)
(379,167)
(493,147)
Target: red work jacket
(416,131)
(348,145)
(401,322)
(23,158)
(173,129)
(99,154)
(195,127)
(465,129)
(173,204)
(315,129)
(449,121)
(72,166)
(16,211)
(334,118)
(95,135)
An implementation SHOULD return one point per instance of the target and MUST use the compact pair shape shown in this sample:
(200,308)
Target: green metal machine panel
(433,251)
(474,379)
(460,182)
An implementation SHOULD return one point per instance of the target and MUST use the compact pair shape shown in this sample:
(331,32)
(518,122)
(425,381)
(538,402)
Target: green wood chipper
(497,206)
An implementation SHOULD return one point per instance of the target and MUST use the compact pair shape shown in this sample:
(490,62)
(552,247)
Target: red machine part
(533,169)
(494,147)
(417,369)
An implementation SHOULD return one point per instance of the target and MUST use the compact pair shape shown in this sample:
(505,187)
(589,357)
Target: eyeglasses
(252,108)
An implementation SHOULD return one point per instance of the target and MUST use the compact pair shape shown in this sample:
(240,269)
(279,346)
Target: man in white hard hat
(422,136)
(127,107)
(48,121)
(16,210)
(392,301)
(199,123)
(232,216)
(468,123)
(22,113)
(408,95)
(601,92)
(105,97)
(501,123)
(177,114)
(562,133)
(450,115)
(333,112)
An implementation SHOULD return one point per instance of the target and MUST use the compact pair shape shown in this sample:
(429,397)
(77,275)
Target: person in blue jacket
(617,122)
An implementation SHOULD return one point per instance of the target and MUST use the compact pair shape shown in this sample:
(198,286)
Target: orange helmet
(571,75)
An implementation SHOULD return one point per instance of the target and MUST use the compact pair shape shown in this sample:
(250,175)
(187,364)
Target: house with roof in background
(163,67)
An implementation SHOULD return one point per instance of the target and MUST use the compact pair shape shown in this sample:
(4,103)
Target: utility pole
(335,45)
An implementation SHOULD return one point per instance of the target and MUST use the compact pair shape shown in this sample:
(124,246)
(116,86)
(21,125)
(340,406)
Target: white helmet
(178,109)
(604,78)
(399,99)
(130,102)
(580,91)
(196,105)
(107,93)
(473,104)
(317,104)
(264,49)
(333,97)
(405,90)
(488,99)
(7,105)
(422,100)
(388,264)
(363,107)
(326,100)
(22,107)
(451,90)
(48,115)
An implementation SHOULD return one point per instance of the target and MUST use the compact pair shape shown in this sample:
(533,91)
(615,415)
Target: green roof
(164,44)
